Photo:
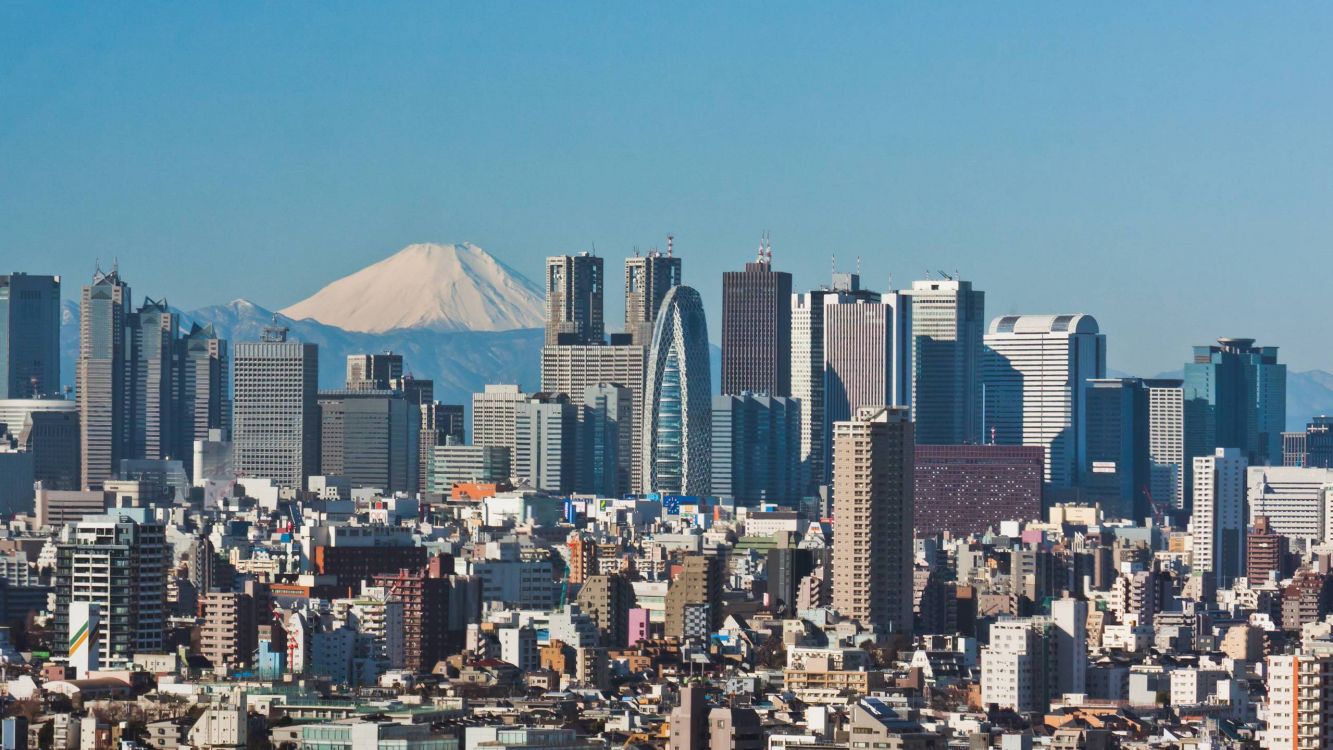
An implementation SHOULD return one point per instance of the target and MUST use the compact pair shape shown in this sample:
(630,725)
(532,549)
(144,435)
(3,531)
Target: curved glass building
(677,411)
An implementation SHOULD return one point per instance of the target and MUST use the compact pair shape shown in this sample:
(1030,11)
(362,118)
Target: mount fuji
(428,286)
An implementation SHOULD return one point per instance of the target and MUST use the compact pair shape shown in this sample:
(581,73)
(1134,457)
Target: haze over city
(1144,165)
(740,376)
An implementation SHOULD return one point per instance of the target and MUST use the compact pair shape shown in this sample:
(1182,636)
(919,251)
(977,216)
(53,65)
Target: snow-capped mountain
(436,287)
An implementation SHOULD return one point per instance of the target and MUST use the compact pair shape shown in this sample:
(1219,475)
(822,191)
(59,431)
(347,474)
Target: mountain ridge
(440,287)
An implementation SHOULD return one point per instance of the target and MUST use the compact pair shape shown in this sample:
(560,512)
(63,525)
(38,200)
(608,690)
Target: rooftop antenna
(835,262)
(858,265)
(670,245)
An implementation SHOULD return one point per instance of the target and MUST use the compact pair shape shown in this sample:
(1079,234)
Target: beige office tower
(873,455)
(571,370)
(648,278)
(574,300)
(493,413)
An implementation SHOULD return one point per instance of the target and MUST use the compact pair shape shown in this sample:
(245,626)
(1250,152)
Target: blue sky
(1163,168)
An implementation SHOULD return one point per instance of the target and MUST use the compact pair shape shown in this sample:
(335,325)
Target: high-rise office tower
(606,440)
(1218,522)
(873,507)
(1166,442)
(545,442)
(756,446)
(677,428)
(275,423)
(574,300)
(572,370)
(947,323)
(1318,447)
(203,398)
(1235,397)
(370,437)
(119,562)
(807,367)
(1293,448)
(756,328)
(373,371)
(693,600)
(52,437)
(859,340)
(100,374)
(441,424)
(152,333)
(1033,371)
(648,278)
(493,413)
(1114,465)
(29,336)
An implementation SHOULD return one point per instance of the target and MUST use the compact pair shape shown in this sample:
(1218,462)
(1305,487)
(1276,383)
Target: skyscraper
(606,440)
(756,328)
(29,336)
(545,442)
(677,428)
(275,431)
(572,370)
(966,489)
(807,367)
(1166,441)
(858,361)
(493,413)
(1218,523)
(371,437)
(1235,397)
(152,333)
(1114,466)
(103,408)
(1318,447)
(203,398)
(441,424)
(1033,371)
(873,508)
(574,300)
(373,371)
(648,278)
(947,320)
(756,445)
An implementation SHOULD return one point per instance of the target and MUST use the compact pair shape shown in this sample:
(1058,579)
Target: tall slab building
(756,329)
(947,324)
(648,278)
(873,510)
(29,336)
(275,430)
(1235,397)
(574,293)
(100,376)
(1033,373)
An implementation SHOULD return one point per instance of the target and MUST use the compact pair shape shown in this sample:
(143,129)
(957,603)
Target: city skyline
(1024,151)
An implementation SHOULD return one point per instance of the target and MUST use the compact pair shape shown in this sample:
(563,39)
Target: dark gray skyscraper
(756,328)
(1235,397)
(29,336)
(101,368)
(574,300)
(648,278)
(202,394)
(756,448)
(1114,467)
(152,333)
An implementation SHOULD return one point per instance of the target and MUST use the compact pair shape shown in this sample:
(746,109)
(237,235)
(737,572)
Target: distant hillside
(460,362)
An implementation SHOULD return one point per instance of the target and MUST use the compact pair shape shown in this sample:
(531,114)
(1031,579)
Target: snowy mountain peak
(438,287)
